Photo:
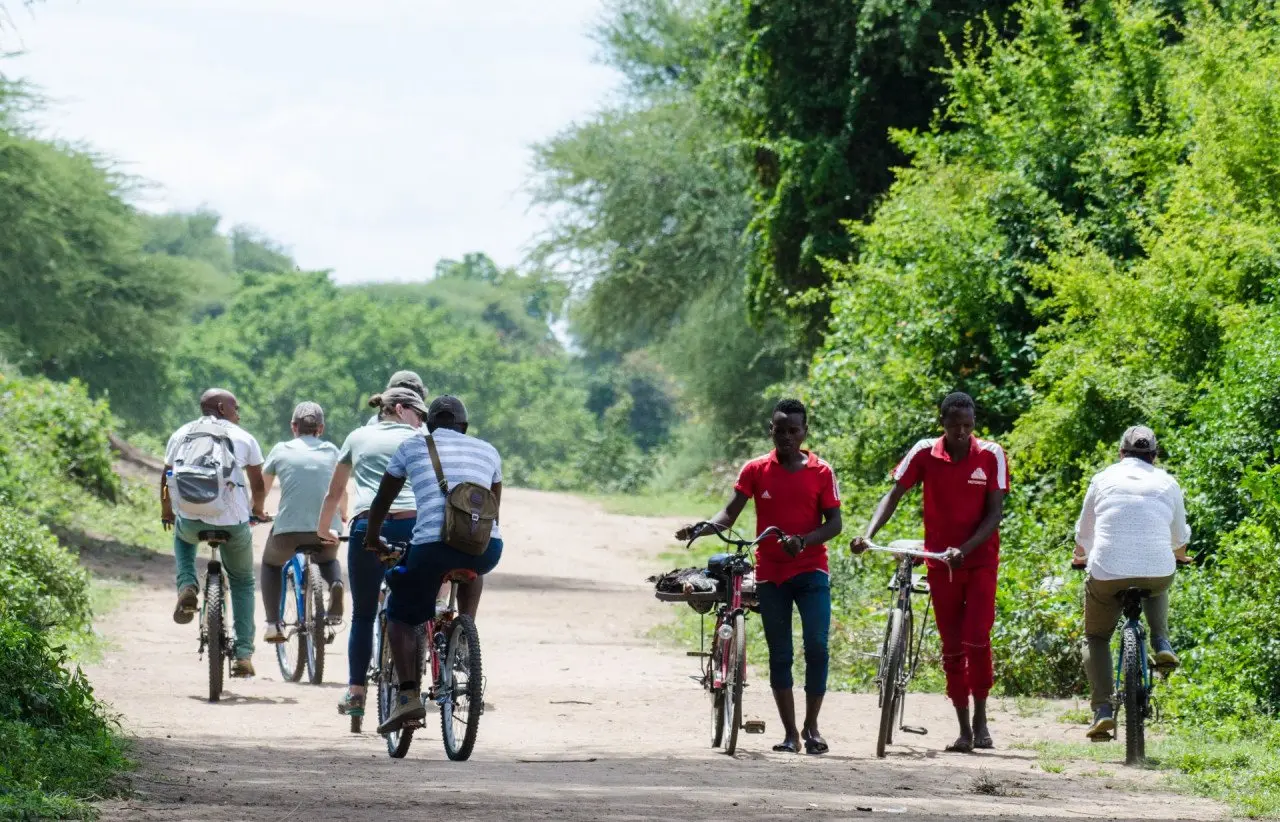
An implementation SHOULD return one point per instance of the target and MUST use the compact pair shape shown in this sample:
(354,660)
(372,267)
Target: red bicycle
(724,672)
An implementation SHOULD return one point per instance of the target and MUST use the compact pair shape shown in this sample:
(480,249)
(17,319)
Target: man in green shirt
(305,466)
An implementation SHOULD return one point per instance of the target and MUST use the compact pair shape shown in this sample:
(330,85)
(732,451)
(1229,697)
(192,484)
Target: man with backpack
(208,463)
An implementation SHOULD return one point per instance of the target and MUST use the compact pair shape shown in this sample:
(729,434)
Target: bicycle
(213,609)
(303,618)
(457,679)
(724,673)
(899,656)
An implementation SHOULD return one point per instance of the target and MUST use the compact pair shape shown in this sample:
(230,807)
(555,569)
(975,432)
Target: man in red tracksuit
(965,480)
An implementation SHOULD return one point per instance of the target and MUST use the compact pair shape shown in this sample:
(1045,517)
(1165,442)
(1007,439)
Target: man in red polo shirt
(797,492)
(965,480)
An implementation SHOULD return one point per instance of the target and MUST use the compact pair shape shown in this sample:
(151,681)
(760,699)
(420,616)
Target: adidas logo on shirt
(765,495)
(978,477)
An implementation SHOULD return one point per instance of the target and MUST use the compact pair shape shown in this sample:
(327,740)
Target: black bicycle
(899,656)
(213,614)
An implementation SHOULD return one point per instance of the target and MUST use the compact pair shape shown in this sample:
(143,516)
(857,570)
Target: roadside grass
(1238,764)
(89,645)
(693,507)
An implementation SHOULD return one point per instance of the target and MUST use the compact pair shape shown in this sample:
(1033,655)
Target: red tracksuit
(964,601)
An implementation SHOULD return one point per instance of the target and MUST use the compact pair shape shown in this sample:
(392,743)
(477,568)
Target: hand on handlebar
(690,532)
(953,557)
(260,517)
(793,545)
(859,544)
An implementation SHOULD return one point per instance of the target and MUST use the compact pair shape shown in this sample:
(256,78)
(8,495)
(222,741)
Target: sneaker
(188,604)
(242,667)
(1104,723)
(335,603)
(1165,657)
(352,704)
(408,708)
(273,634)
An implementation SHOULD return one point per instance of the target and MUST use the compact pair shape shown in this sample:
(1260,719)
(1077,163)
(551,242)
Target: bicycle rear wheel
(388,683)
(316,627)
(892,658)
(213,618)
(461,689)
(735,651)
(1135,749)
(292,653)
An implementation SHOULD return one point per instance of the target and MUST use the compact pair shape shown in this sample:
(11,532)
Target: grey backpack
(202,467)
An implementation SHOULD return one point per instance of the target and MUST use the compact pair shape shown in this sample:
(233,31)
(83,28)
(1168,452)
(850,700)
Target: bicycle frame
(296,566)
(904,583)
(717,675)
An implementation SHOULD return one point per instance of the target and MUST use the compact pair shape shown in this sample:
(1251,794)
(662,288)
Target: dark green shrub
(43,583)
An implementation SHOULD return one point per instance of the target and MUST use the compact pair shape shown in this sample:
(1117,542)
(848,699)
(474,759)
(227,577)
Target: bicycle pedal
(753,726)
(914,729)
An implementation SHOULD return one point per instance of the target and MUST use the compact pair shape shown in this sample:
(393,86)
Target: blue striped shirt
(464,459)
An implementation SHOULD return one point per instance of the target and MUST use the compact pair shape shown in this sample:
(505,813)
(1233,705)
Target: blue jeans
(415,582)
(810,593)
(365,571)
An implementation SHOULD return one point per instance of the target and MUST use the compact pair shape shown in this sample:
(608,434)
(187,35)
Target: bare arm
(830,528)
(726,517)
(335,497)
(268,480)
(883,513)
(990,522)
(388,490)
(259,488)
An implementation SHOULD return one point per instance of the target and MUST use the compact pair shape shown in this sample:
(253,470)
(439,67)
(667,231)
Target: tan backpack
(470,510)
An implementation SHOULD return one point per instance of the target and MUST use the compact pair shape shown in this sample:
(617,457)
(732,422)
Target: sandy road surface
(591,720)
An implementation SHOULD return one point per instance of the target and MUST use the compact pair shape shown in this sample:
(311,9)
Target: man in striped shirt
(416,580)
(965,480)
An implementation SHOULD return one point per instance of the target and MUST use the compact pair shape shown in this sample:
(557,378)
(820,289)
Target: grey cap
(410,380)
(403,396)
(310,412)
(447,404)
(1138,439)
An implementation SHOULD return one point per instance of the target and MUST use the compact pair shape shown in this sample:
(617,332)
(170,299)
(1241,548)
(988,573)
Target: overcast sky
(372,137)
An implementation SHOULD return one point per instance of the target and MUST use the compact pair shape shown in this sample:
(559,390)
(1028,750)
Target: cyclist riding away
(1132,533)
(305,466)
(364,455)
(207,465)
(416,581)
(797,492)
(965,481)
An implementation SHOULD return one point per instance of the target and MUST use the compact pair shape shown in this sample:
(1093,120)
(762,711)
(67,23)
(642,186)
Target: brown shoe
(188,604)
(242,667)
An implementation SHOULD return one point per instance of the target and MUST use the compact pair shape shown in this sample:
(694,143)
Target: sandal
(983,743)
(786,746)
(351,705)
(961,745)
(814,744)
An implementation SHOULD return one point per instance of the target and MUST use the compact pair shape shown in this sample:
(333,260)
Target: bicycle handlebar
(700,529)
(905,548)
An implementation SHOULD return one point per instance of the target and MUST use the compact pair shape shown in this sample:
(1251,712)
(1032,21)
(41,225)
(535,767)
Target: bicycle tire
(463,655)
(292,653)
(717,694)
(737,668)
(213,619)
(893,659)
(1131,667)
(388,688)
(899,697)
(316,625)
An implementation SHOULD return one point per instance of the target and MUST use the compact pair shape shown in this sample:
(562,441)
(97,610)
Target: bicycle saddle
(1133,593)
(214,536)
(460,575)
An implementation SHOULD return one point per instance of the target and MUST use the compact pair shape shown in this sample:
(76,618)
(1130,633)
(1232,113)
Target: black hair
(954,401)
(792,406)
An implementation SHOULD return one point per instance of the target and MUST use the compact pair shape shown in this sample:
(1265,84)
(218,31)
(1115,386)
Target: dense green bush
(59,745)
(43,583)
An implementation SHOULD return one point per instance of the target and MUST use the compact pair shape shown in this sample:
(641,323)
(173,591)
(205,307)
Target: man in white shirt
(1132,533)
(231,511)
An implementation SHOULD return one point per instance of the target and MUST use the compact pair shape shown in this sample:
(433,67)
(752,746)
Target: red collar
(811,459)
(939,449)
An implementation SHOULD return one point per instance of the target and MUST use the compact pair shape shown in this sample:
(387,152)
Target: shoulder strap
(435,463)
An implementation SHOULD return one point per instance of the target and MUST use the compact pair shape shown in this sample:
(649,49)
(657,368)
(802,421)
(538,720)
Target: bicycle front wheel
(717,693)
(213,625)
(316,627)
(388,690)
(1134,690)
(735,652)
(891,661)
(461,689)
(292,653)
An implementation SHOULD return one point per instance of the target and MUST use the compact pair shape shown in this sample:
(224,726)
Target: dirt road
(591,720)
